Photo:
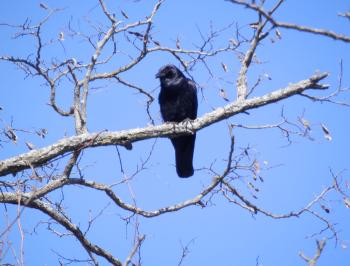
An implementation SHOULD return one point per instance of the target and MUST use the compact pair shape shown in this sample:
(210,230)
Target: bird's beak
(160,74)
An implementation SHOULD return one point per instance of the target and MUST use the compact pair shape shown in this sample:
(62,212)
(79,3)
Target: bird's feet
(188,123)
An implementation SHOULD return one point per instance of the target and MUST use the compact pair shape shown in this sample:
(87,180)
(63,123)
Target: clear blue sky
(222,233)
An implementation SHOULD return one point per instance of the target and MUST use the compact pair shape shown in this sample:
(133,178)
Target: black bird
(178,102)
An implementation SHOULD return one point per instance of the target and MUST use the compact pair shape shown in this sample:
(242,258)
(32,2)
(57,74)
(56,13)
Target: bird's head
(169,74)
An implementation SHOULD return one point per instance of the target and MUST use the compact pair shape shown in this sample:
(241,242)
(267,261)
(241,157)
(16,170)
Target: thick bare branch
(242,86)
(74,229)
(81,116)
(125,137)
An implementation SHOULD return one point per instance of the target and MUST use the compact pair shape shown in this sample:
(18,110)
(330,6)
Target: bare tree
(40,178)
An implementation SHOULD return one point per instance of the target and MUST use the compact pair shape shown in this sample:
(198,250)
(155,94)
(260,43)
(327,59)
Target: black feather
(178,102)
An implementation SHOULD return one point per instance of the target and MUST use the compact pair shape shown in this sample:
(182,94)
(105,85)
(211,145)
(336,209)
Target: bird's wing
(193,88)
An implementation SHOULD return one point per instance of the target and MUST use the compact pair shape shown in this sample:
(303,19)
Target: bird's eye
(169,74)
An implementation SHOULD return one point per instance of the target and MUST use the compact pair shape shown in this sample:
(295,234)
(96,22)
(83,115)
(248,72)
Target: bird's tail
(184,148)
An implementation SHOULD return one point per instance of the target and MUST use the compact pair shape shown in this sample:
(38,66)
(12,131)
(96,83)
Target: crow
(178,102)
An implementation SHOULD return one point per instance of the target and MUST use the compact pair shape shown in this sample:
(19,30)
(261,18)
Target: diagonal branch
(46,208)
(268,16)
(148,21)
(125,137)
(138,243)
(81,116)
(316,31)
(312,261)
(32,197)
(242,86)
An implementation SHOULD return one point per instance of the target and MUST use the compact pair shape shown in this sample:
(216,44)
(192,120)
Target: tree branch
(125,137)
(275,23)
(47,209)
(312,261)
